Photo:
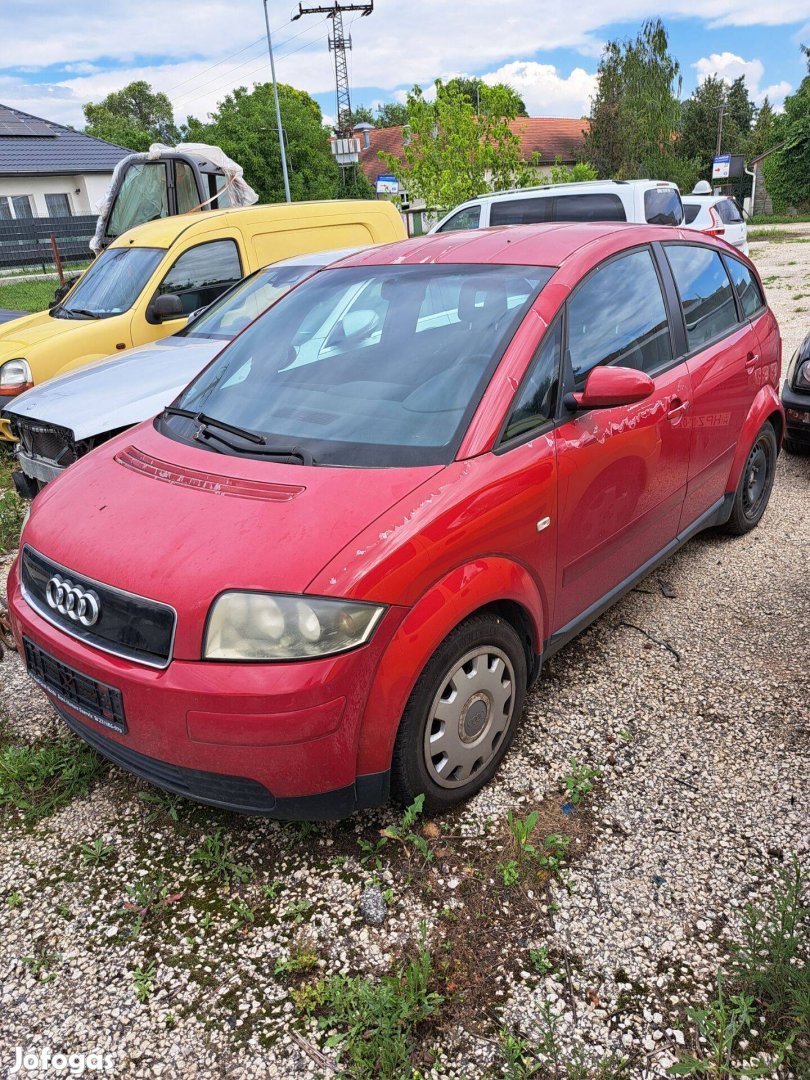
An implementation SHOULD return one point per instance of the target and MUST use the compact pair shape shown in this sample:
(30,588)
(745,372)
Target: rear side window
(537,398)
(617,316)
(747,287)
(705,290)
(468,218)
(532,211)
(728,211)
(202,273)
(597,207)
(662,206)
(690,212)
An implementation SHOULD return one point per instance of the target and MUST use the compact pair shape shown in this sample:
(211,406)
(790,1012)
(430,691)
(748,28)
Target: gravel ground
(701,731)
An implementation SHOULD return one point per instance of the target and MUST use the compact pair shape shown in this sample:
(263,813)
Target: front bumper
(797,415)
(273,739)
(38,468)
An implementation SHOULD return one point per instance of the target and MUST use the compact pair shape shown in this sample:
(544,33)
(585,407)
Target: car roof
(704,200)
(576,187)
(516,245)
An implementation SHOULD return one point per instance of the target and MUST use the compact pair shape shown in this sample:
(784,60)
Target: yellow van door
(194,274)
(283,243)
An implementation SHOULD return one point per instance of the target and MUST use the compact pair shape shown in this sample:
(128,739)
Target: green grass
(776,236)
(778,219)
(37,780)
(377,1022)
(27,295)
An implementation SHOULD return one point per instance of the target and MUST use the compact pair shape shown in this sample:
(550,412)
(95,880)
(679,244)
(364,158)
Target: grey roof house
(47,170)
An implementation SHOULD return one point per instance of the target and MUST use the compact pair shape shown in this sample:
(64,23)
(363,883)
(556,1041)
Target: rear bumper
(797,415)
(279,740)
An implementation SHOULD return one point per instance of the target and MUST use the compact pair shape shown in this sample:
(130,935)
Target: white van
(655,202)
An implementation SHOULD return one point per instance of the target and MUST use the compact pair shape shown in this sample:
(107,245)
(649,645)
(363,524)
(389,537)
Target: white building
(47,170)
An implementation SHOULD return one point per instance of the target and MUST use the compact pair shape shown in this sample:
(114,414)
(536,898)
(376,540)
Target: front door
(621,471)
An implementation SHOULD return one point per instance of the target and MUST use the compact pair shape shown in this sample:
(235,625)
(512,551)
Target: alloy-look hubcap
(469,716)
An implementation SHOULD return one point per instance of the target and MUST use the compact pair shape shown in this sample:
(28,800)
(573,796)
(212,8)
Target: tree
(452,153)
(244,125)
(787,170)
(763,133)
(391,114)
(740,110)
(361,115)
(635,111)
(565,174)
(133,117)
(471,89)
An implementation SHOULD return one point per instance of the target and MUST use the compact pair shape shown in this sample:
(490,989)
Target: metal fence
(26,242)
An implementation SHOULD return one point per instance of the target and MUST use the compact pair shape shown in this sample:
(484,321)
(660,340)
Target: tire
(456,721)
(756,483)
(793,446)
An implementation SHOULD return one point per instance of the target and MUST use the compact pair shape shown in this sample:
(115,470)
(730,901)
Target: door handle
(677,408)
(751,362)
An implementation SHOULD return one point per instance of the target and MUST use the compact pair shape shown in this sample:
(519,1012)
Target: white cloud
(544,90)
(728,66)
(437,39)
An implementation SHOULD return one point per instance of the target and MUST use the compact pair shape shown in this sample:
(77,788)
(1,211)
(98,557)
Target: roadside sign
(721,167)
(387,185)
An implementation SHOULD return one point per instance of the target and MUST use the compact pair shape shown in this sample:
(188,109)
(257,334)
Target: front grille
(125,624)
(100,702)
(55,444)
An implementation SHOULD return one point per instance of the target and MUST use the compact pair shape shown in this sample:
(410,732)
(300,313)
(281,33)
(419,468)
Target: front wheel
(461,716)
(756,483)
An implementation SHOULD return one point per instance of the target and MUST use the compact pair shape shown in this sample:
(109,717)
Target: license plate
(80,692)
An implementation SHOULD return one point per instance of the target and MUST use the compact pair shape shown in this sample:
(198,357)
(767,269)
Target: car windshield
(231,313)
(112,284)
(371,366)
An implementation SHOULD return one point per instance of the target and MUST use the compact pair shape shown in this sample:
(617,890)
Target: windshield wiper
(205,422)
(82,311)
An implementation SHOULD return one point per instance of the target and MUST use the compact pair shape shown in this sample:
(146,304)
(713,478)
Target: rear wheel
(756,483)
(793,446)
(461,716)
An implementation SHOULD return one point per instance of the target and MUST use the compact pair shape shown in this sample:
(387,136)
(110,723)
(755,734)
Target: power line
(199,74)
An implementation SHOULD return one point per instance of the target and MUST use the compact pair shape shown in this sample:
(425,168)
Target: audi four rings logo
(80,605)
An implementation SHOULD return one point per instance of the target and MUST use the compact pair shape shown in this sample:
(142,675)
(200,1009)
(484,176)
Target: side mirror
(168,306)
(607,387)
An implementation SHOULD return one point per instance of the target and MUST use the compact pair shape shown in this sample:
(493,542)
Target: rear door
(723,357)
(622,471)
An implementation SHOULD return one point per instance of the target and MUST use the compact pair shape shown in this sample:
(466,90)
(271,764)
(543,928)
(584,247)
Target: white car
(651,202)
(66,417)
(717,215)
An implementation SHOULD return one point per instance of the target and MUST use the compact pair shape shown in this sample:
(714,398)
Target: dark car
(796,400)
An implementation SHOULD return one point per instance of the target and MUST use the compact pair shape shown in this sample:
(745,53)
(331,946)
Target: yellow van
(149,280)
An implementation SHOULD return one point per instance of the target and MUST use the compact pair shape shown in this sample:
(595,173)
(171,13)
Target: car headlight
(261,626)
(801,380)
(15,376)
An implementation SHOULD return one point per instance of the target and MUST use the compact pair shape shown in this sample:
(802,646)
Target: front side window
(617,316)
(705,290)
(112,284)
(229,315)
(529,211)
(142,196)
(600,206)
(537,398)
(747,287)
(200,274)
(58,205)
(468,218)
(363,366)
(663,206)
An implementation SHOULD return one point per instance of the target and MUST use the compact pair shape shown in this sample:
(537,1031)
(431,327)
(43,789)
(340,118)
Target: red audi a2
(332,567)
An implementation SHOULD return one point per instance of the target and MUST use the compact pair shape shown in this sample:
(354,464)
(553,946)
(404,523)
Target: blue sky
(57,56)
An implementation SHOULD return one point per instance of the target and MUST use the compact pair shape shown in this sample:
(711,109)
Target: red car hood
(180,525)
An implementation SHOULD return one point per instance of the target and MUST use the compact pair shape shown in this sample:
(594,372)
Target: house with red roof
(548,137)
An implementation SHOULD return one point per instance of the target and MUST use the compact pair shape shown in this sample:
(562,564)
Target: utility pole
(339,44)
(720,110)
(282,147)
